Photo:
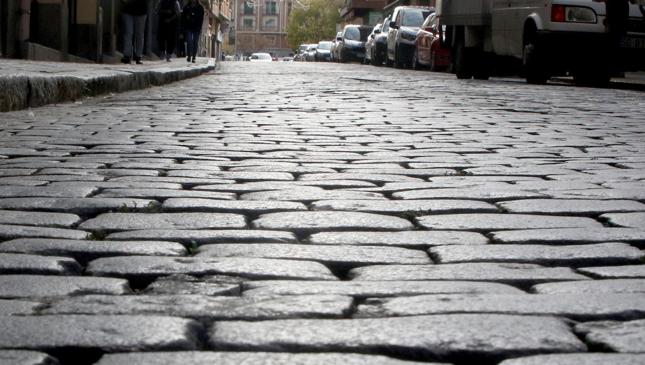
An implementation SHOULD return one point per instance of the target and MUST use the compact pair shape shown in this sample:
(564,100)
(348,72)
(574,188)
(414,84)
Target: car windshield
(386,25)
(352,34)
(324,45)
(414,17)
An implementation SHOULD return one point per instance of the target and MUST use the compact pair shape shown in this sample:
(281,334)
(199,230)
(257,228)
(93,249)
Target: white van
(549,37)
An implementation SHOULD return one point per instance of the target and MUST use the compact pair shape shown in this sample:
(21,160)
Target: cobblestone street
(308,213)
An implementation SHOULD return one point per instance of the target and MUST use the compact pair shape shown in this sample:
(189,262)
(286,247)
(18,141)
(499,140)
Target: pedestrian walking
(169,12)
(192,19)
(134,13)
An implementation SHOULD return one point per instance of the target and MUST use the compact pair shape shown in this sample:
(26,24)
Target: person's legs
(128,28)
(189,45)
(139,35)
(195,45)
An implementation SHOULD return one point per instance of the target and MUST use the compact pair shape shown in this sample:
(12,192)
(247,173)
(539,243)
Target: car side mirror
(378,31)
(393,25)
(338,39)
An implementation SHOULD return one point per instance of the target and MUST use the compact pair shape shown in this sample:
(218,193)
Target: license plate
(632,42)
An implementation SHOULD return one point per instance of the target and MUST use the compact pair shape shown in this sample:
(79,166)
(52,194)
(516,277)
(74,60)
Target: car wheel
(532,61)
(591,78)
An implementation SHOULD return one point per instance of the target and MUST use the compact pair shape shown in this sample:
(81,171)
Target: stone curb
(28,91)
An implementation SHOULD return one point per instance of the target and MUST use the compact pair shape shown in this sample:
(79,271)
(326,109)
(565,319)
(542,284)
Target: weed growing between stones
(98,235)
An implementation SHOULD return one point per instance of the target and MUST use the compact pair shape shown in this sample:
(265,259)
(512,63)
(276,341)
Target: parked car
(260,57)
(352,43)
(334,46)
(379,48)
(369,44)
(310,53)
(431,50)
(300,53)
(404,26)
(323,51)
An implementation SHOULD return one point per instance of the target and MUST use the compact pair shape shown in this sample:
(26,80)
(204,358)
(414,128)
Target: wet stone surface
(22,357)
(324,214)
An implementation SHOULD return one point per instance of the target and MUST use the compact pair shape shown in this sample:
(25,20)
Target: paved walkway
(292,213)
(26,84)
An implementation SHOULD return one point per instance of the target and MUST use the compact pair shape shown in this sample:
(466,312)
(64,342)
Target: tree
(314,22)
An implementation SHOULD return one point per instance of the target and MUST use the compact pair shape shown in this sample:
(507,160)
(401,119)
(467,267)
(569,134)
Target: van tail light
(558,14)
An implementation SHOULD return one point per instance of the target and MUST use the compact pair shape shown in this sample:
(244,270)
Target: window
(270,8)
(270,23)
(248,23)
(248,8)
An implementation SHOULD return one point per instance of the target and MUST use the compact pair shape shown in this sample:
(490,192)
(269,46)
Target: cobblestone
(430,337)
(264,358)
(615,336)
(578,359)
(18,357)
(574,306)
(319,193)
(575,255)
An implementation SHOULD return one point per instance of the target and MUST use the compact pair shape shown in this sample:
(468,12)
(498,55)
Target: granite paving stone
(10,231)
(609,286)
(367,289)
(38,286)
(206,236)
(18,307)
(86,250)
(570,235)
(233,175)
(110,222)
(334,257)
(631,220)
(258,358)
(330,221)
(226,206)
(150,193)
(574,255)
(444,337)
(46,191)
(23,357)
(575,306)
(105,333)
(370,177)
(310,193)
(408,206)
(207,307)
(15,263)
(492,222)
(80,206)
(614,336)
(415,239)
(587,207)
(185,284)
(57,220)
(614,272)
(578,359)
(478,193)
(507,273)
(254,268)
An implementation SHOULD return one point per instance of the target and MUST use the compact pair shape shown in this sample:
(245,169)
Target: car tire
(532,58)
(591,78)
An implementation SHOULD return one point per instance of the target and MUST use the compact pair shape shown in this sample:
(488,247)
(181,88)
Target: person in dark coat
(133,13)
(192,19)
(169,12)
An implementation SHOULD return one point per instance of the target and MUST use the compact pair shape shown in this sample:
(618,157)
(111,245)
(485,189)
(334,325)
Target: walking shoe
(125,60)
(193,59)
(137,60)
(188,58)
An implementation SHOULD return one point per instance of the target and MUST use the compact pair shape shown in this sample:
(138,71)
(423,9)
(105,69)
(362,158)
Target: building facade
(364,12)
(260,26)
(89,30)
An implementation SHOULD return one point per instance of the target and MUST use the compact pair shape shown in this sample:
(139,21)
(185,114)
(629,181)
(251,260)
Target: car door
(391,34)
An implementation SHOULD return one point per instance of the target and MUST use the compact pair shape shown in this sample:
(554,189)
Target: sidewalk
(25,84)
